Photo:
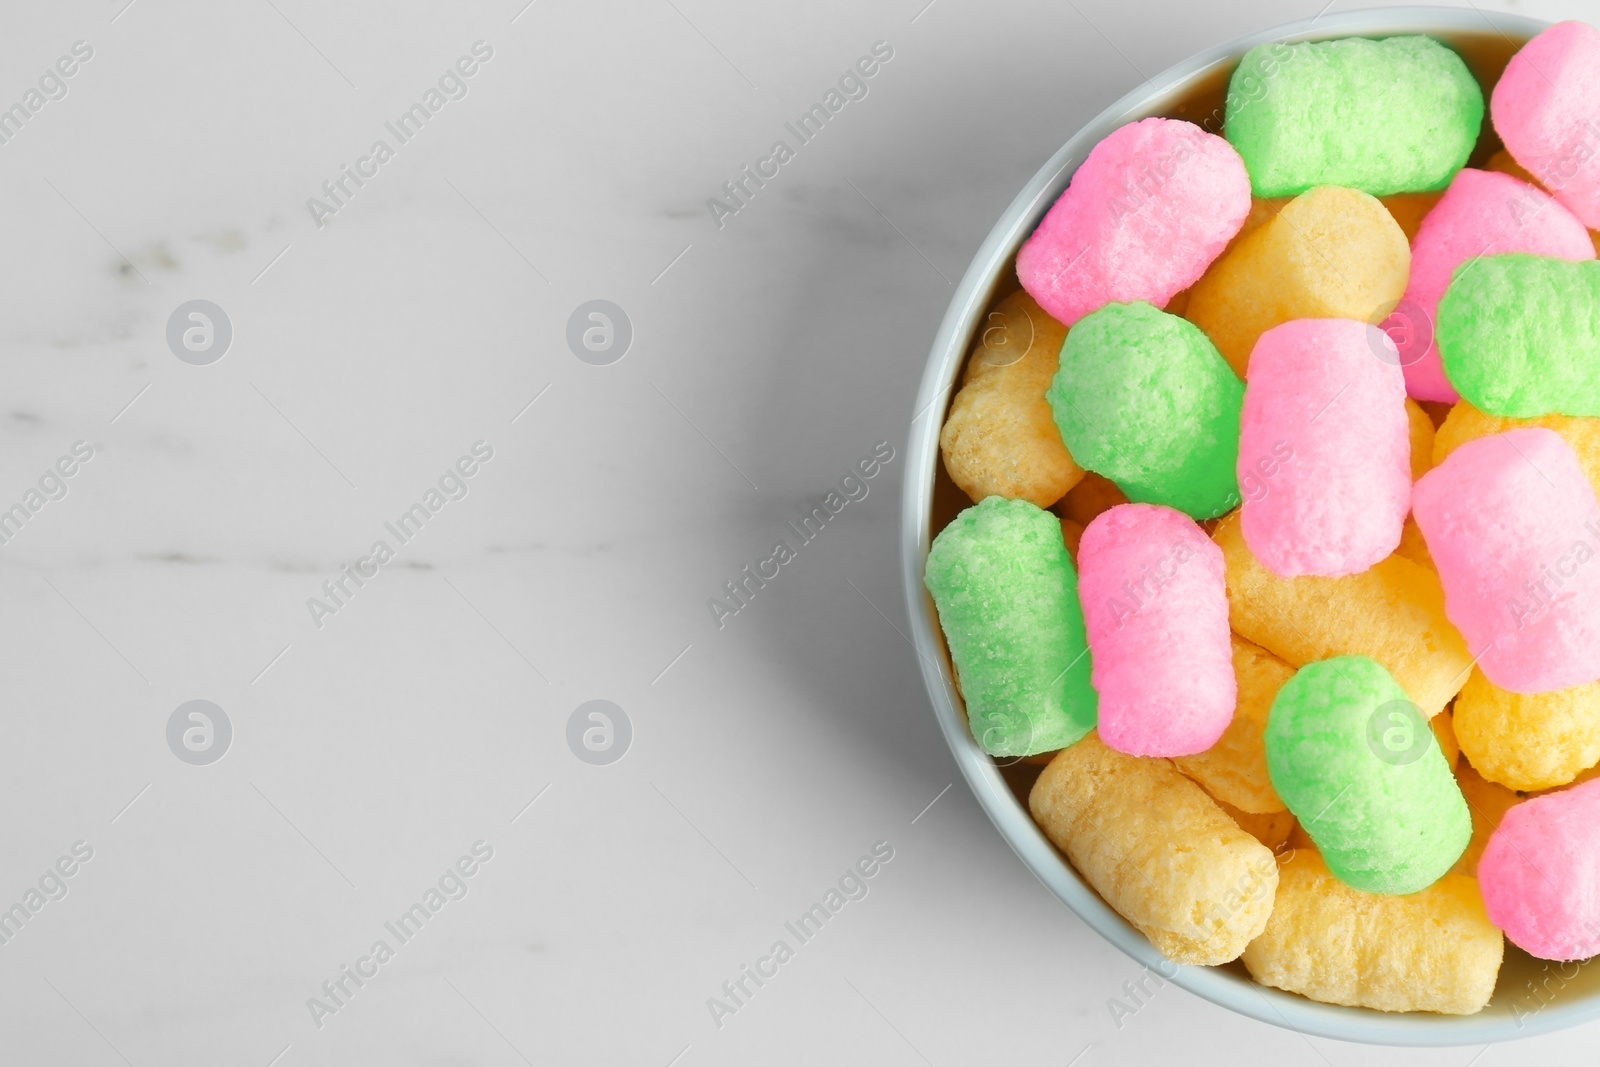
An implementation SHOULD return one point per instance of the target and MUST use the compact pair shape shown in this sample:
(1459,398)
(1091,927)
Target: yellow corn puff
(1262,211)
(1160,851)
(1583,776)
(1409,209)
(1018,339)
(1467,423)
(1092,496)
(1414,546)
(1528,741)
(1488,802)
(1000,438)
(1072,534)
(1437,411)
(1444,731)
(1428,951)
(1423,436)
(1330,253)
(1393,613)
(1234,770)
(1502,162)
(1272,829)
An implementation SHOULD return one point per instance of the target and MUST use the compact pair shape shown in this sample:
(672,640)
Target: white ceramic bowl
(1532,997)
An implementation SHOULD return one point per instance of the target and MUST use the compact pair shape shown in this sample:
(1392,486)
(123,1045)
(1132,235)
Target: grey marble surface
(375,746)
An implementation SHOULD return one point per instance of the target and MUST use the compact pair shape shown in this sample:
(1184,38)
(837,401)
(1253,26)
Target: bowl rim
(947,356)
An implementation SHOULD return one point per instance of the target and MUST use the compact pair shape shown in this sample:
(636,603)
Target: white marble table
(375,745)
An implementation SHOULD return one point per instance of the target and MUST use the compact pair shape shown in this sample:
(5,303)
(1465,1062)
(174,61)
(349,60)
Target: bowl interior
(1532,996)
